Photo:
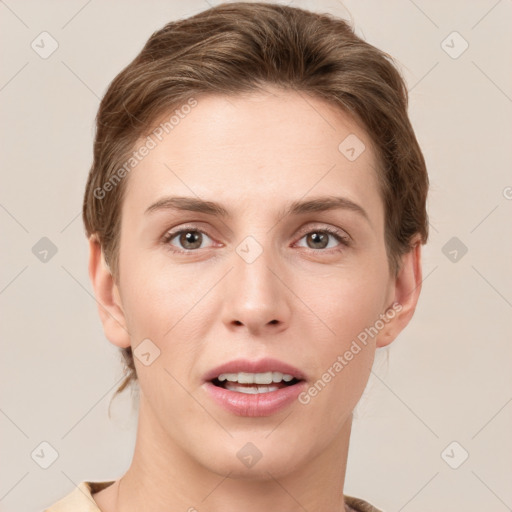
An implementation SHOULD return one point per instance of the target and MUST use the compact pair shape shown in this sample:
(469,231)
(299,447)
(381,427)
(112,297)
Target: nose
(255,296)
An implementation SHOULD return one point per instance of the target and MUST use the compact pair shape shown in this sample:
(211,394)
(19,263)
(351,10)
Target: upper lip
(260,366)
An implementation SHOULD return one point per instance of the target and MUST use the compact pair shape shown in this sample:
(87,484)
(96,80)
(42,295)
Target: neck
(163,475)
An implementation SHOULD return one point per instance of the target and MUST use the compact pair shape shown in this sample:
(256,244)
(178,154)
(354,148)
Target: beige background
(449,374)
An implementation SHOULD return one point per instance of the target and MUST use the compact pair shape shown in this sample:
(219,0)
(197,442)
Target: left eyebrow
(322,204)
(319,204)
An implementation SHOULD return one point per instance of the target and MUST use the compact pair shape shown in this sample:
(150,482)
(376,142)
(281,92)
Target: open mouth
(254,383)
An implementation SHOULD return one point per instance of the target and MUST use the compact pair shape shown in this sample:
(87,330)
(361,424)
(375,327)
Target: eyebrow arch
(299,207)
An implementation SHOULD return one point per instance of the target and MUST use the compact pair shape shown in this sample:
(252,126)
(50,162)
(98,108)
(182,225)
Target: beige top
(81,500)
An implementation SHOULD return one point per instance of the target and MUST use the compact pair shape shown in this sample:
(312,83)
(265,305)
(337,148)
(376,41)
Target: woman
(255,212)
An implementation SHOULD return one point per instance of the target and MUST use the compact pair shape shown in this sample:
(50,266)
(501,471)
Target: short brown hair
(242,47)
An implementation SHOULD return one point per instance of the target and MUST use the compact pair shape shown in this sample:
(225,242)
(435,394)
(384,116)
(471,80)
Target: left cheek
(347,376)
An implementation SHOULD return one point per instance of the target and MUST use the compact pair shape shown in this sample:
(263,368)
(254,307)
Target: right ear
(107,296)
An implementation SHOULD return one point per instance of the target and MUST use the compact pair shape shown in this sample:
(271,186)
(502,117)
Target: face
(276,256)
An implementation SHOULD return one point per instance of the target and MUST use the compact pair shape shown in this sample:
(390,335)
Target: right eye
(189,239)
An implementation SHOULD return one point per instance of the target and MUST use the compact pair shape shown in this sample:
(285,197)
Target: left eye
(319,239)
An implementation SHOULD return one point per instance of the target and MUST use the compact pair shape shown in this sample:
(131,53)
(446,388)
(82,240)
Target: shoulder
(80,498)
(359,505)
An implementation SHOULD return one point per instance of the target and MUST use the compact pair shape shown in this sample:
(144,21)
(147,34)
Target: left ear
(407,288)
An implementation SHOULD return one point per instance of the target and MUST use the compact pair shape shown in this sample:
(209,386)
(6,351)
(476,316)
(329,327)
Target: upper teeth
(255,378)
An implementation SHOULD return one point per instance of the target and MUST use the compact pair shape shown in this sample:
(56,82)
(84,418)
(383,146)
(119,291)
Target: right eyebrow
(191,204)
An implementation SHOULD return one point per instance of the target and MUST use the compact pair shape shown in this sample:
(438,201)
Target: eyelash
(339,236)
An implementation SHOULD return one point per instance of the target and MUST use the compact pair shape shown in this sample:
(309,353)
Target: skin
(297,302)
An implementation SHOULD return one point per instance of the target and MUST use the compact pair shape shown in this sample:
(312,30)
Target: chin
(261,459)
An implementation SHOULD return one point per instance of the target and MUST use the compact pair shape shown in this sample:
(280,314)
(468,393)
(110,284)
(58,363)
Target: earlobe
(107,296)
(407,288)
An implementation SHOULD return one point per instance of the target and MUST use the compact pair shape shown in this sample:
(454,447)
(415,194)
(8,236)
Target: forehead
(257,149)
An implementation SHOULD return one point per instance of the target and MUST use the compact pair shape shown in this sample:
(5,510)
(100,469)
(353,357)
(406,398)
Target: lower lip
(261,404)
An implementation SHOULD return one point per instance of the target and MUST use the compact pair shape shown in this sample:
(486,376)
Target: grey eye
(188,239)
